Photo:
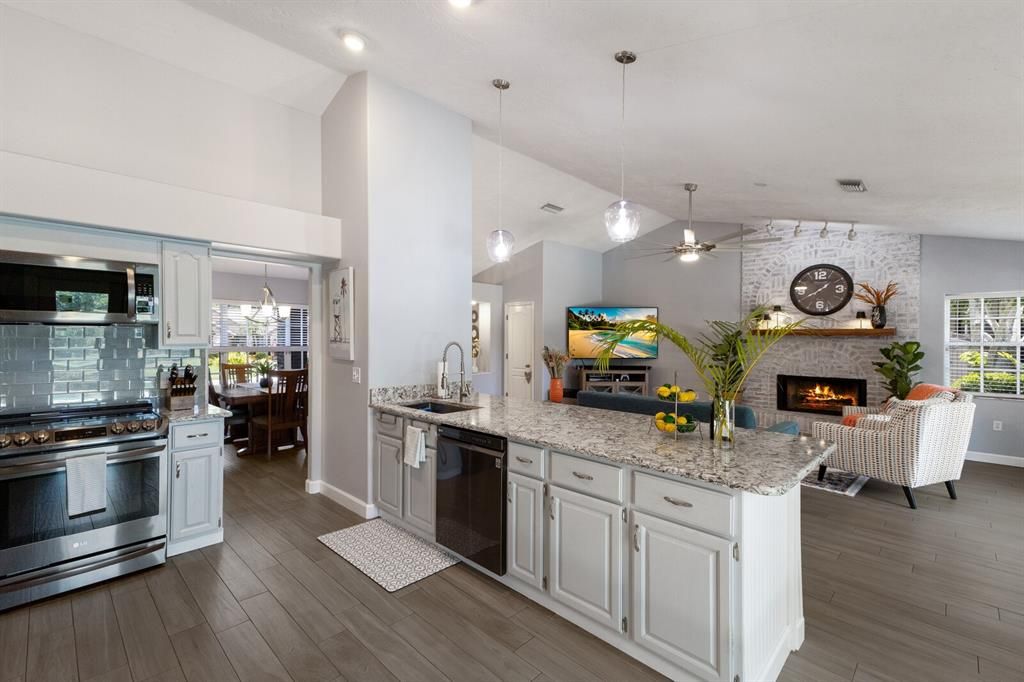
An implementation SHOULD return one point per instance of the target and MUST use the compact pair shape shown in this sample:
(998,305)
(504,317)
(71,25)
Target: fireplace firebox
(819,395)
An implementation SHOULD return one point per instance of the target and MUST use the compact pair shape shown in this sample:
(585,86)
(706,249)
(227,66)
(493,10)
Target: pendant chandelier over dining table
(622,218)
(500,242)
(266,309)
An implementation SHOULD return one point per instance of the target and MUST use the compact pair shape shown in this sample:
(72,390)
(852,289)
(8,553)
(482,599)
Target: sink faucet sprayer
(463,392)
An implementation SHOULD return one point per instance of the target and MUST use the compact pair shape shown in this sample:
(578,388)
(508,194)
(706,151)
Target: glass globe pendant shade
(499,245)
(622,220)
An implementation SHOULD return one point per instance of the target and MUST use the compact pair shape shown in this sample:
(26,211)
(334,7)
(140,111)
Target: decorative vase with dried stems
(555,360)
(877,299)
(723,357)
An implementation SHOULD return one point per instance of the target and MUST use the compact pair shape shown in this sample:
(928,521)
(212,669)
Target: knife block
(181,395)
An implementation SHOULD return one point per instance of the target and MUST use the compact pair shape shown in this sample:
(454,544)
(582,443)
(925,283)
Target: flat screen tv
(589,325)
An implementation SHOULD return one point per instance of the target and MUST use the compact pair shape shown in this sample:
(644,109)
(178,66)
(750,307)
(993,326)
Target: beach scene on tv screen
(590,327)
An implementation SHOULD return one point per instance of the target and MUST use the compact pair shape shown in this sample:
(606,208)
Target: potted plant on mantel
(724,358)
(555,360)
(876,298)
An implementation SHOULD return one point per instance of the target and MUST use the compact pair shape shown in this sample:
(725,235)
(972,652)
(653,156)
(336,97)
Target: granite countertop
(197,413)
(763,462)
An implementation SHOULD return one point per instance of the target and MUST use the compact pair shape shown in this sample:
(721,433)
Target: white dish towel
(415,446)
(87,484)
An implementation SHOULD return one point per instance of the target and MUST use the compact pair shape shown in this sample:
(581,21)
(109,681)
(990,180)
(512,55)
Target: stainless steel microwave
(72,290)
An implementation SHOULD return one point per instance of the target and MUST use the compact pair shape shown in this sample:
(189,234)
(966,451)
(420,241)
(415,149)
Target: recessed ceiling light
(353,41)
(460,4)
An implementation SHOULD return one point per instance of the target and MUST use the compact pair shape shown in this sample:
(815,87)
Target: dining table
(249,396)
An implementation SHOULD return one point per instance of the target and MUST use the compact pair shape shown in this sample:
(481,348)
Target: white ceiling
(923,100)
(254,268)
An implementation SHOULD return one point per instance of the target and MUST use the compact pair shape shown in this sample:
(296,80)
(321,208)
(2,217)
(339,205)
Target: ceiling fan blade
(762,240)
(672,257)
(736,235)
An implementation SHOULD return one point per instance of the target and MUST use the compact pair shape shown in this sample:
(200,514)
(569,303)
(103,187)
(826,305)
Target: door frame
(533,346)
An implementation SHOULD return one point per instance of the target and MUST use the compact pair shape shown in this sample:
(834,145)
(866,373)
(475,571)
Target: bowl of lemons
(670,422)
(672,393)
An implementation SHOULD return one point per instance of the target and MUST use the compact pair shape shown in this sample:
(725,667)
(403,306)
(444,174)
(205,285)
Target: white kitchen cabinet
(387,474)
(681,595)
(185,294)
(420,483)
(196,487)
(585,547)
(525,534)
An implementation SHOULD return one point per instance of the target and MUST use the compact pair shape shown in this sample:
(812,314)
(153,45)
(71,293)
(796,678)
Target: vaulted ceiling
(764,103)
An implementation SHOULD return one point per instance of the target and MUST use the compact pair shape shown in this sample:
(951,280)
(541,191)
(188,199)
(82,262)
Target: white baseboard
(1005,460)
(350,502)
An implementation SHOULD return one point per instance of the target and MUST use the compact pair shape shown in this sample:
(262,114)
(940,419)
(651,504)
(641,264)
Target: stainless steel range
(83,497)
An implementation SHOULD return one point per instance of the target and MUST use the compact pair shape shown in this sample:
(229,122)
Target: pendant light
(622,218)
(797,229)
(824,231)
(266,308)
(691,255)
(500,242)
(852,234)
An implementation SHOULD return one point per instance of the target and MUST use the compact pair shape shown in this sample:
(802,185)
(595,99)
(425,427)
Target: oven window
(50,289)
(35,508)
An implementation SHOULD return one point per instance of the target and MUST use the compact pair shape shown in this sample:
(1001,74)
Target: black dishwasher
(470,498)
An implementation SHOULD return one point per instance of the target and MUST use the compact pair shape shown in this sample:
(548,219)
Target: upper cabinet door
(681,595)
(585,547)
(186,295)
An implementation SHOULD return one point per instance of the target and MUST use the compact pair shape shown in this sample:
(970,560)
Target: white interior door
(519,371)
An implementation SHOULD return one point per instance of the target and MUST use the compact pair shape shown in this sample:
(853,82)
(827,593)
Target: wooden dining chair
(285,401)
(234,373)
(239,417)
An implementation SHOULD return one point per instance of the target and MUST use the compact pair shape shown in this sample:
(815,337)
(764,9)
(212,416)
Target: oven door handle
(21,469)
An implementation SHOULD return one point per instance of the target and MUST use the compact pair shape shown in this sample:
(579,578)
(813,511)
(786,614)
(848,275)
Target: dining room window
(985,343)
(234,337)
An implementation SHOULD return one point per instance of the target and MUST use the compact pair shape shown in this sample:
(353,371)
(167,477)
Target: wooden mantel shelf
(837,331)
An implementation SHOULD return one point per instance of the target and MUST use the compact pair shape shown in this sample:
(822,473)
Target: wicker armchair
(915,443)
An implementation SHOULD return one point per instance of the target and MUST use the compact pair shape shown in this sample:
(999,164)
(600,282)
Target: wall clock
(821,289)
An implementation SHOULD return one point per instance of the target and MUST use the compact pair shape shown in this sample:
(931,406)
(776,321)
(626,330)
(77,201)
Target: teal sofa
(641,404)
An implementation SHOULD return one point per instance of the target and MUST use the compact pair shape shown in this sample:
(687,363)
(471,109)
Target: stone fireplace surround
(875,257)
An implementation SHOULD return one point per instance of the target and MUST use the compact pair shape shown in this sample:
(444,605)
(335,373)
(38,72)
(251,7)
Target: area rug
(836,481)
(390,556)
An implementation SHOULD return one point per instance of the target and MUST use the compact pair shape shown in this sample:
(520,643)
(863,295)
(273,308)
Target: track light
(797,230)
(771,227)
(824,231)
(852,234)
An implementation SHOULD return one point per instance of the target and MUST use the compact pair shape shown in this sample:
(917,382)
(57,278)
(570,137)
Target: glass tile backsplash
(53,366)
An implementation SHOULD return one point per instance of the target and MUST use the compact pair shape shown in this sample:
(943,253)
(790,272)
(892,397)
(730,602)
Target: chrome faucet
(463,392)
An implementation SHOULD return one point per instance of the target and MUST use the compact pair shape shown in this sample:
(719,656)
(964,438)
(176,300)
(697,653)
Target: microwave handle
(130,273)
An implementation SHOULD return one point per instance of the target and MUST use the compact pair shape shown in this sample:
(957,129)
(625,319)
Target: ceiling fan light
(499,246)
(622,221)
(689,257)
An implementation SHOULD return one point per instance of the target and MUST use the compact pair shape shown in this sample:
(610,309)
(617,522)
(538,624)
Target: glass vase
(723,423)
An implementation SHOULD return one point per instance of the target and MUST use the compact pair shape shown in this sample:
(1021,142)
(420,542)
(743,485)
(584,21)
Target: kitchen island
(685,557)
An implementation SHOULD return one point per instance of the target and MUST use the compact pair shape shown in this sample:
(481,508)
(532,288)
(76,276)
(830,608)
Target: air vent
(852,185)
(551,208)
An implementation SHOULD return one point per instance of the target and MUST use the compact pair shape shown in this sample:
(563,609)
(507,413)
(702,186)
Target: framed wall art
(340,285)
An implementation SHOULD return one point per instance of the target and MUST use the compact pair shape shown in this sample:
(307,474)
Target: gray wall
(686,294)
(230,286)
(951,265)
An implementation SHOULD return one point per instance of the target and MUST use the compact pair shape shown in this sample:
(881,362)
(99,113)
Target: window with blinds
(984,343)
(231,330)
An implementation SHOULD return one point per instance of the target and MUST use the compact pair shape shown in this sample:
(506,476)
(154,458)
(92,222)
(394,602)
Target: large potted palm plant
(723,357)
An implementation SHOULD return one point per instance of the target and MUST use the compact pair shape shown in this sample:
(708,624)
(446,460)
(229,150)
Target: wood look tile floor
(890,594)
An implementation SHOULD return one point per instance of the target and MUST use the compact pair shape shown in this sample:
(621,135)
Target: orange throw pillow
(926,391)
(851,419)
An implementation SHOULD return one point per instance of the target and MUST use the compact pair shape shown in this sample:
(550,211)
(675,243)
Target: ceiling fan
(691,249)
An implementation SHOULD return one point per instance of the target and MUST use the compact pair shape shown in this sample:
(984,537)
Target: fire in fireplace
(819,395)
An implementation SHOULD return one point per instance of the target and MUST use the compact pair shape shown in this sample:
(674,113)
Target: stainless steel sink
(441,408)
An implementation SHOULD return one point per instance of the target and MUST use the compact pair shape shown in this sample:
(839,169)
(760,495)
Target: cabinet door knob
(585,477)
(168,330)
(177,470)
(678,503)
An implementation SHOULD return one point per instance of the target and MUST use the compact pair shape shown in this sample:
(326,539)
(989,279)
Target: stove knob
(149,425)
(5,440)
(117,428)
(134,426)
(21,438)
(41,436)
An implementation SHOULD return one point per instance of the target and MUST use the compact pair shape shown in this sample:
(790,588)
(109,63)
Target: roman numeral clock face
(821,289)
